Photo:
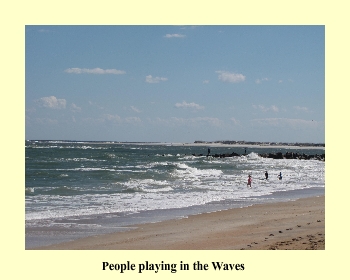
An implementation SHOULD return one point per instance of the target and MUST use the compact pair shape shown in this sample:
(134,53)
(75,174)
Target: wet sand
(294,225)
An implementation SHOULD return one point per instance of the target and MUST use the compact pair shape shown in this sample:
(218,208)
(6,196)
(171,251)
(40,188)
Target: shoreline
(292,225)
(221,145)
(186,144)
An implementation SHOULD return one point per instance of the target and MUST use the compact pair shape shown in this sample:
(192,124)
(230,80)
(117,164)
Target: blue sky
(175,83)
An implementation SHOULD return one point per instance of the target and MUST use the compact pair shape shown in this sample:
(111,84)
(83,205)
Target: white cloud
(98,71)
(155,80)
(230,77)
(96,105)
(75,108)
(192,105)
(259,81)
(112,118)
(133,120)
(197,121)
(135,109)
(205,82)
(189,27)
(208,120)
(119,120)
(236,122)
(303,109)
(274,108)
(52,102)
(266,109)
(175,36)
(30,110)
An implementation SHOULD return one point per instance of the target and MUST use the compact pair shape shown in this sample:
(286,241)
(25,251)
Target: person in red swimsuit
(249,184)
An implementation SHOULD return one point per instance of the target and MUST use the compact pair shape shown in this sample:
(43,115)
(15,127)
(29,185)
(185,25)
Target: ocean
(78,189)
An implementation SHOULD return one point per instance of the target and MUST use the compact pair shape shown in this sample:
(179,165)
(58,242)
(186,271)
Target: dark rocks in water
(233,154)
(277,155)
(290,155)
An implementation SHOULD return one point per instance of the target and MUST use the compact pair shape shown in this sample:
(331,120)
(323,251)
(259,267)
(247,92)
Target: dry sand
(295,225)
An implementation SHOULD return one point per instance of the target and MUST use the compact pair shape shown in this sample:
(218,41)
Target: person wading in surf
(249,184)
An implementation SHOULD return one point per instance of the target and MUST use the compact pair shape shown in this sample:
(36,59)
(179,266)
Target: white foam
(186,171)
(168,183)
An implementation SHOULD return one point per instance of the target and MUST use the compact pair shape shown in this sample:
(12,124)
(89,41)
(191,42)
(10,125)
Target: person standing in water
(266,175)
(280,176)
(249,184)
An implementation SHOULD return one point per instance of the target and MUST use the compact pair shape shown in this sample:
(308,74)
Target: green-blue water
(75,189)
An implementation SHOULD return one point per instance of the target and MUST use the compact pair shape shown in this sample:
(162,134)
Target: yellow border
(88,264)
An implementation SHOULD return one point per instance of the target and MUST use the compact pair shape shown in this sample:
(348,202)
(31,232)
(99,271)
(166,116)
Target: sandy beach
(294,225)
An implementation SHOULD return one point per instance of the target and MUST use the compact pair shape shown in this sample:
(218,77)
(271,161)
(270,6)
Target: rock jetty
(290,155)
(278,155)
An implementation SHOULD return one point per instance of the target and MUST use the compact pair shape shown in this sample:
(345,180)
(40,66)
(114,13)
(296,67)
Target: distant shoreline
(281,146)
(203,143)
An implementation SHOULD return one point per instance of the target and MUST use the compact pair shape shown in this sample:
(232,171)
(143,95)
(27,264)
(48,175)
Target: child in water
(280,176)
(249,184)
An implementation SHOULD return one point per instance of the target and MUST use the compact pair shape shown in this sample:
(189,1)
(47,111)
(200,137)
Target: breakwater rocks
(278,155)
(288,155)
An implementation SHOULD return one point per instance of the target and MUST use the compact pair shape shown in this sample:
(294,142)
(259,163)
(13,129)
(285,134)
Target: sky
(175,83)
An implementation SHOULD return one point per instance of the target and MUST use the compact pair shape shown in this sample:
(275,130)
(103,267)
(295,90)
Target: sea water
(77,189)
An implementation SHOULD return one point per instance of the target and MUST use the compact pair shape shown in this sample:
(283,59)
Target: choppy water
(75,189)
